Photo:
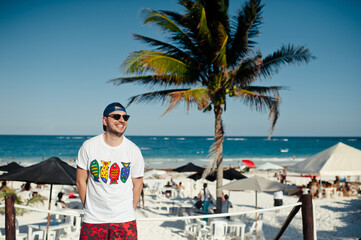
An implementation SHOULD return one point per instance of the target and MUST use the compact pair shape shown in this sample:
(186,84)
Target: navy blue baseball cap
(115,106)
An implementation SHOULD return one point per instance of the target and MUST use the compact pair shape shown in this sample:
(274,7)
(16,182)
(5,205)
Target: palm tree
(209,57)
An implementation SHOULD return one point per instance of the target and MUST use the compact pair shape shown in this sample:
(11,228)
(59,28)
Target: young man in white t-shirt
(110,171)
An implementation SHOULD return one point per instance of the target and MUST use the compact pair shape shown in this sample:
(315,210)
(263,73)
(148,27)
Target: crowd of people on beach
(317,187)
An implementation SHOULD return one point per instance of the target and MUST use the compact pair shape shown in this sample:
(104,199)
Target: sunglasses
(118,116)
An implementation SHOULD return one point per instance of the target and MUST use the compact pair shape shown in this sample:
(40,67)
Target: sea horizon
(173,151)
(139,135)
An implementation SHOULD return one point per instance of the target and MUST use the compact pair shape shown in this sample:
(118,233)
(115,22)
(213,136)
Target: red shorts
(106,231)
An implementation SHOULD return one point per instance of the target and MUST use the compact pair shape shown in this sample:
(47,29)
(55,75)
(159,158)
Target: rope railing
(305,203)
(46,211)
(217,215)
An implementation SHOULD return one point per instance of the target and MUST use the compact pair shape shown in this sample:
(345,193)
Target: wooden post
(288,220)
(307,217)
(10,217)
(48,222)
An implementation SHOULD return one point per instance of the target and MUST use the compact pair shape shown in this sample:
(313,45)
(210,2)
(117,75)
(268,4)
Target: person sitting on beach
(336,183)
(4,188)
(25,193)
(313,186)
(168,191)
(60,203)
(180,190)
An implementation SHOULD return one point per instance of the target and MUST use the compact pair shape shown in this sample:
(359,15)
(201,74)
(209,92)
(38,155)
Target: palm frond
(163,46)
(274,113)
(287,54)
(204,31)
(266,90)
(172,23)
(154,80)
(152,97)
(216,13)
(140,62)
(161,20)
(247,71)
(198,96)
(221,57)
(261,102)
(246,26)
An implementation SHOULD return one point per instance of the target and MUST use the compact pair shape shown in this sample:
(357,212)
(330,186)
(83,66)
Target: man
(226,204)
(313,185)
(278,199)
(110,171)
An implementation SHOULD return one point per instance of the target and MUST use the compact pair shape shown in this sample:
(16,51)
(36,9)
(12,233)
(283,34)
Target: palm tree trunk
(219,138)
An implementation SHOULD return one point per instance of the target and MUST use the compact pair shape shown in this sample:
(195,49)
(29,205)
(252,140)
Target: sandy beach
(336,218)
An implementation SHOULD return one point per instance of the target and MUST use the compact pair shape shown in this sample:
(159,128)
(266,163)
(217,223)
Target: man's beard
(118,134)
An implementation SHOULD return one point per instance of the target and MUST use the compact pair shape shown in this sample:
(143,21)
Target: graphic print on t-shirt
(94,170)
(125,172)
(104,171)
(114,173)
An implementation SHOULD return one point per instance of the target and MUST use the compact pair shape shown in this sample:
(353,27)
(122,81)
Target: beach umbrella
(269,166)
(196,176)
(51,171)
(257,184)
(230,174)
(10,167)
(190,167)
(233,174)
(338,160)
(249,163)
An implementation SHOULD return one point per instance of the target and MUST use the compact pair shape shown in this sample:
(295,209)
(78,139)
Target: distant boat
(284,150)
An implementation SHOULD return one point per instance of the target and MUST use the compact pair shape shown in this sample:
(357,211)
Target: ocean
(174,151)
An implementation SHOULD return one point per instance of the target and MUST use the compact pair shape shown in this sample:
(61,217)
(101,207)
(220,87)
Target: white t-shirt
(206,196)
(278,195)
(109,195)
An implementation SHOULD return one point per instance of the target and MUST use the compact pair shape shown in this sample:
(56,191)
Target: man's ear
(104,120)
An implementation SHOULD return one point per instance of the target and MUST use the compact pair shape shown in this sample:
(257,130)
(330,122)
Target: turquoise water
(174,151)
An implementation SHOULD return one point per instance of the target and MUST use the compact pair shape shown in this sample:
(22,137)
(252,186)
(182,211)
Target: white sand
(336,218)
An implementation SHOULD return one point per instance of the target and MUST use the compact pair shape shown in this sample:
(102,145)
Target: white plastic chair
(202,229)
(218,230)
(253,230)
(190,228)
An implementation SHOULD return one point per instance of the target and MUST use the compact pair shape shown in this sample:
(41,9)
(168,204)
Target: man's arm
(81,183)
(137,189)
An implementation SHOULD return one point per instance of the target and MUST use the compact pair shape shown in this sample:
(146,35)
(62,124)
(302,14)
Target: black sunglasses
(118,116)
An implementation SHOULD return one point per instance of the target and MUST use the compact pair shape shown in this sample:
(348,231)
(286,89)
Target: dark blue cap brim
(113,107)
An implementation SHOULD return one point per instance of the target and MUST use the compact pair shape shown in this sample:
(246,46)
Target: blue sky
(57,56)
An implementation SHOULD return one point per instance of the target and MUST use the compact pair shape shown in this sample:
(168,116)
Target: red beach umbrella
(249,163)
